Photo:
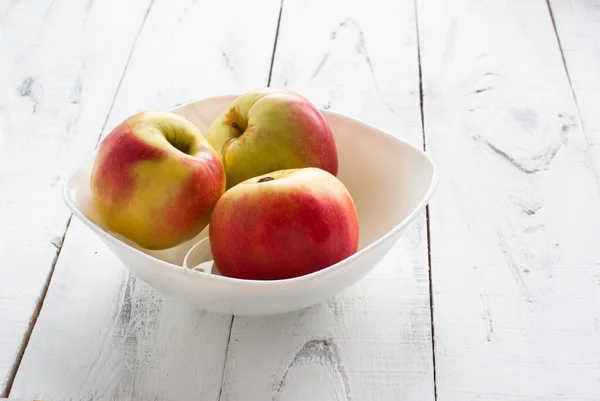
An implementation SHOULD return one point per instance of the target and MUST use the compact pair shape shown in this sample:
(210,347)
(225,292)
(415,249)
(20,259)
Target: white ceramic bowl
(390,181)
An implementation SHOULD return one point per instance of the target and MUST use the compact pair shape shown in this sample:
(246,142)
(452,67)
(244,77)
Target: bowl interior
(388,179)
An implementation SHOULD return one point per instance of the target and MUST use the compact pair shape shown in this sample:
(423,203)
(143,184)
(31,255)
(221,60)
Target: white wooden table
(494,295)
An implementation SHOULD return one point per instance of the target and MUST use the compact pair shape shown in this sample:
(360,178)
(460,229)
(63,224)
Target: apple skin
(298,222)
(268,130)
(156,180)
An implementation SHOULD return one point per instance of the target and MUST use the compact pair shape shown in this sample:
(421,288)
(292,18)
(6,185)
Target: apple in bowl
(284,224)
(156,179)
(268,130)
(390,180)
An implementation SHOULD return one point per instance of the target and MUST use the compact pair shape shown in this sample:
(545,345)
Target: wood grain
(372,342)
(515,224)
(101,333)
(60,65)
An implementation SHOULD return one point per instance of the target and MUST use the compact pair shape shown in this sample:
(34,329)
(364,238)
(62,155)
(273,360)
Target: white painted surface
(578,27)
(372,342)
(102,334)
(515,224)
(60,65)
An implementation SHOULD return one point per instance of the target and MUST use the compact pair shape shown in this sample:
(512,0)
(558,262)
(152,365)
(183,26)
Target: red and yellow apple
(268,130)
(156,179)
(283,224)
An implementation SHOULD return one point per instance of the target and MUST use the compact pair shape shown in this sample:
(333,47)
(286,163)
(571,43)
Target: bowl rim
(259,283)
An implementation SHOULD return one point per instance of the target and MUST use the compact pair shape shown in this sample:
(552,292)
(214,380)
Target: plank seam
(431,302)
(562,55)
(36,314)
(268,84)
(135,41)
(40,303)
(275,43)
(427,225)
(564,60)
(225,361)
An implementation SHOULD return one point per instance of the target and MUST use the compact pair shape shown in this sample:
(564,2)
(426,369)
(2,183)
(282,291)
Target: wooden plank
(60,65)
(372,342)
(578,28)
(515,223)
(101,333)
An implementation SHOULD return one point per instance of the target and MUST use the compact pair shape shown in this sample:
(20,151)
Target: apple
(156,179)
(268,130)
(283,224)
